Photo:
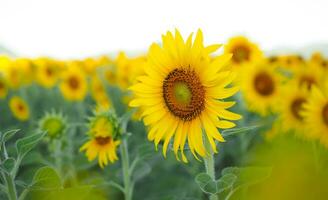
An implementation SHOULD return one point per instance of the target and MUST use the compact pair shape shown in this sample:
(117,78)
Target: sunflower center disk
(240,53)
(296,107)
(73,82)
(20,107)
(264,84)
(103,140)
(183,93)
(49,72)
(325,114)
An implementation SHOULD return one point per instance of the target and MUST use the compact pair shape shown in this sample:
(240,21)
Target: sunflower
(318,60)
(47,72)
(25,66)
(260,86)
(54,124)
(308,75)
(181,93)
(243,51)
(104,61)
(126,70)
(98,93)
(274,60)
(3,87)
(292,61)
(18,73)
(74,85)
(97,88)
(4,64)
(103,141)
(110,75)
(122,67)
(315,115)
(291,106)
(89,65)
(19,108)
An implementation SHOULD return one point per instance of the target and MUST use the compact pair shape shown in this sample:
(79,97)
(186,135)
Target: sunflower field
(183,120)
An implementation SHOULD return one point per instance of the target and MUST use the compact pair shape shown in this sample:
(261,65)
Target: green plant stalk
(209,164)
(9,180)
(58,155)
(128,186)
(70,139)
(11,188)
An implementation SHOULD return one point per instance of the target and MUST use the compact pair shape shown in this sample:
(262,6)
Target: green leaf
(210,186)
(46,177)
(227,181)
(235,131)
(9,134)
(7,165)
(115,185)
(230,170)
(203,179)
(26,144)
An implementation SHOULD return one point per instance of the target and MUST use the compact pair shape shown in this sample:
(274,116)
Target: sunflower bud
(54,124)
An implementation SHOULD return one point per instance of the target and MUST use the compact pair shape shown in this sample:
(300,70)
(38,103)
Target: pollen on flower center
(264,84)
(183,93)
(73,82)
(240,53)
(296,107)
(325,114)
(103,140)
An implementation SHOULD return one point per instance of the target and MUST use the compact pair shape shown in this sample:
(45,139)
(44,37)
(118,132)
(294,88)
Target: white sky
(78,28)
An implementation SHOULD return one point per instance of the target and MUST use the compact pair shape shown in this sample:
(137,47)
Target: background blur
(78,28)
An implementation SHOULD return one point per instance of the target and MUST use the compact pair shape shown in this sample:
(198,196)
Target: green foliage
(26,144)
(232,179)
(7,165)
(210,186)
(46,177)
(8,135)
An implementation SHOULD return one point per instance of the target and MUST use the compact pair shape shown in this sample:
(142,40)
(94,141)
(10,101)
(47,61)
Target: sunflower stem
(128,186)
(58,155)
(11,188)
(209,164)
(8,178)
